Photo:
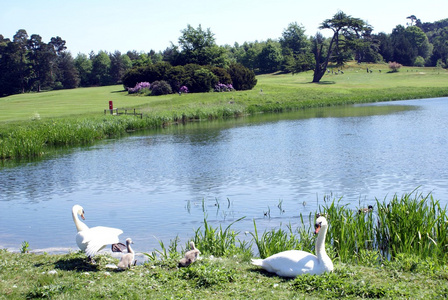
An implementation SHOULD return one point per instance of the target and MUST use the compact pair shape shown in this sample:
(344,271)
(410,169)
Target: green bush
(242,77)
(160,88)
(203,81)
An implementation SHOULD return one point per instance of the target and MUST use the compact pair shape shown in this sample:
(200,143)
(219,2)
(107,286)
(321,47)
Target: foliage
(139,87)
(221,87)
(394,66)
(219,242)
(343,24)
(25,247)
(198,46)
(183,89)
(202,81)
(242,78)
(270,57)
(160,88)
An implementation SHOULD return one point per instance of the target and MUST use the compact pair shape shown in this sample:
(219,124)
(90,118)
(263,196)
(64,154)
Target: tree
(84,66)
(68,74)
(198,46)
(339,24)
(119,64)
(22,70)
(270,58)
(409,43)
(41,57)
(296,49)
(101,69)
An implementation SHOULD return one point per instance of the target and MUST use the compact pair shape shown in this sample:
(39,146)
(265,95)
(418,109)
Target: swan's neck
(320,246)
(80,226)
(129,248)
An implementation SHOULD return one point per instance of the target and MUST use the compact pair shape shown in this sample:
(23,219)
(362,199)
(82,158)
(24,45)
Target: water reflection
(159,184)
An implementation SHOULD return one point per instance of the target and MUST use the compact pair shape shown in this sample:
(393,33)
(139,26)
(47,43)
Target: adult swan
(92,240)
(296,262)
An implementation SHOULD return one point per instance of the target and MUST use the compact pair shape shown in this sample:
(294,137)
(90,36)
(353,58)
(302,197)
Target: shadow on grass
(77,264)
(269,274)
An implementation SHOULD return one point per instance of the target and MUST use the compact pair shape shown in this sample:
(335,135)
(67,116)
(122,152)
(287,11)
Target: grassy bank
(407,266)
(30,124)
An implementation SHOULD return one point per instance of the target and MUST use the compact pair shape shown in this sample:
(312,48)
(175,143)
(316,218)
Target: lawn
(273,92)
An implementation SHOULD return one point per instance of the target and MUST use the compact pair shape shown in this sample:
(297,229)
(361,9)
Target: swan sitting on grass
(92,240)
(292,263)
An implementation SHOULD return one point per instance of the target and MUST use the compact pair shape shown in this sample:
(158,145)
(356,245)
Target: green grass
(31,124)
(361,270)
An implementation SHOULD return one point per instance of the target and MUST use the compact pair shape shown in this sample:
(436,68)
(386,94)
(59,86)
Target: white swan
(296,262)
(92,240)
(127,260)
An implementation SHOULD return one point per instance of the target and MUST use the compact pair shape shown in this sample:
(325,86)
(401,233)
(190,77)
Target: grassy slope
(278,90)
(27,276)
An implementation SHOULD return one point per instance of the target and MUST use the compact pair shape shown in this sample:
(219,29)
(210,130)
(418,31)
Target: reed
(412,225)
(33,139)
(219,242)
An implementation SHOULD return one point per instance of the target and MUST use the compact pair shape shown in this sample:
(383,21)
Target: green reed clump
(349,231)
(33,139)
(219,242)
(278,240)
(413,225)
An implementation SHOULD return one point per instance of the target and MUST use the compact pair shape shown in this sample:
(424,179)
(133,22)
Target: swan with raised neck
(92,240)
(292,263)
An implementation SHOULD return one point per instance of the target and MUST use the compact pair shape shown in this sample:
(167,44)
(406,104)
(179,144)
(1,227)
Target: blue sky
(109,25)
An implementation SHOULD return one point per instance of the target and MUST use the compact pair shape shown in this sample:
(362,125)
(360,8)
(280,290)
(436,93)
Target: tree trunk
(319,70)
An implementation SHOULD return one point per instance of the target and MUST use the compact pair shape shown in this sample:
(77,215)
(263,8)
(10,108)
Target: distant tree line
(29,64)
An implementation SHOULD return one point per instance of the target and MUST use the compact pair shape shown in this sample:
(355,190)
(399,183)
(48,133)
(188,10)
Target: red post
(111,106)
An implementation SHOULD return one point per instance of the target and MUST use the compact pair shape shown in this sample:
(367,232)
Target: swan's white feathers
(292,263)
(96,238)
(92,240)
(289,263)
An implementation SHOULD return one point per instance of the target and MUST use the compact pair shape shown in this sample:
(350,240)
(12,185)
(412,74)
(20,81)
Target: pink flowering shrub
(221,87)
(394,66)
(183,89)
(139,87)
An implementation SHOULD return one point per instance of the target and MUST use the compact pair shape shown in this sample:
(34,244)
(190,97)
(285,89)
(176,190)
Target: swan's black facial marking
(317,227)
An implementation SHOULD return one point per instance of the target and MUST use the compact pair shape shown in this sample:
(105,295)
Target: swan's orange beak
(82,216)
(317,226)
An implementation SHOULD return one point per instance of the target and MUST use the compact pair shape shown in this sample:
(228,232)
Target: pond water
(157,185)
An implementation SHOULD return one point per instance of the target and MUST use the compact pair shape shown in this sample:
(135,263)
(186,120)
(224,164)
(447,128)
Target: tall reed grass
(412,226)
(33,139)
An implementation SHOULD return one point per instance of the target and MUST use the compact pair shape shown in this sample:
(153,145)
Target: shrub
(183,89)
(222,74)
(203,80)
(394,66)
(242,77)
(419,61)
(221,87)
(139,87)
(161,88)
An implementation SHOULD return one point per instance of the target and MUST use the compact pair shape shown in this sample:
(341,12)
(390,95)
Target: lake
(156,185)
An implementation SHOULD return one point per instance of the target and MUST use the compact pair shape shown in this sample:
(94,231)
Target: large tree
(296,49)
(198,46)
(340,24)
